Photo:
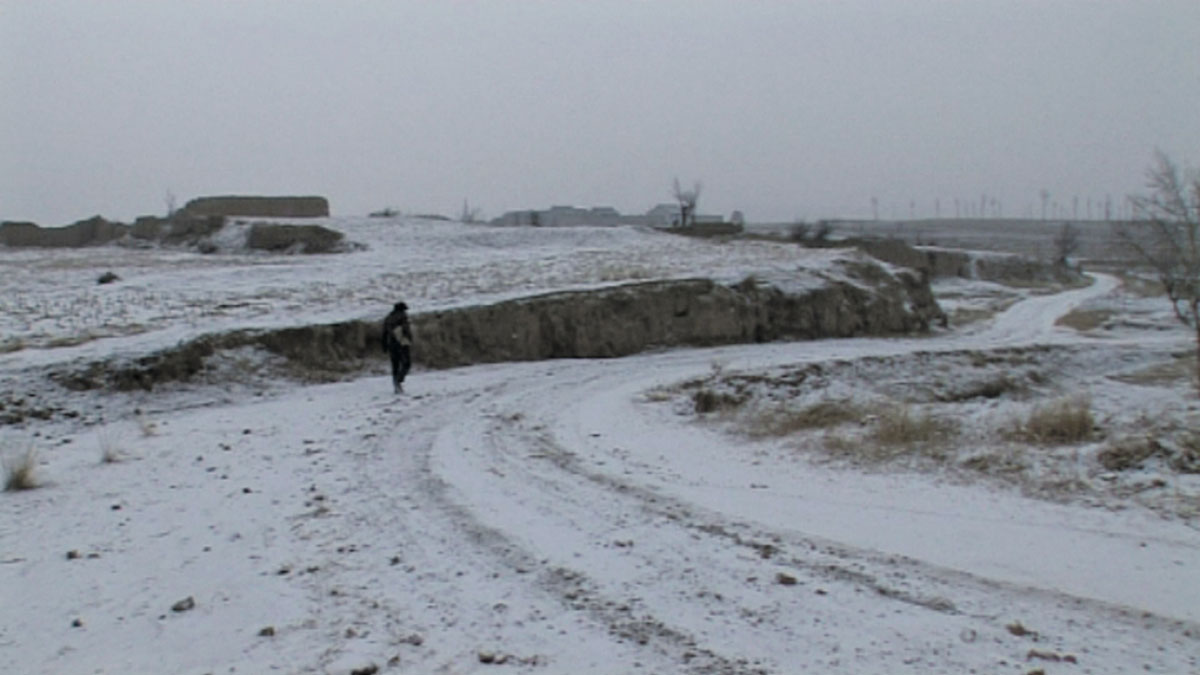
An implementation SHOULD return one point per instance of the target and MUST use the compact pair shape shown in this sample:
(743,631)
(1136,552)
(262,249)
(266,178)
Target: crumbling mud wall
(602,323)
(259,207)
(182,229)
(940,263)
(91,232)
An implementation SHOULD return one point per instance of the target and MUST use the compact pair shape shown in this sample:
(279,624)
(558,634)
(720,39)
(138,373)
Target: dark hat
(400,307)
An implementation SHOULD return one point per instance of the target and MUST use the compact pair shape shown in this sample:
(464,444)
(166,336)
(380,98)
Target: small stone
(268,631)
(184,605)
(73,555)
(785,579)
(487,658)
(77,623)
(369,669)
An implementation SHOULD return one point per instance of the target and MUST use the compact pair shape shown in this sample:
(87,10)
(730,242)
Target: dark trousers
(401,363)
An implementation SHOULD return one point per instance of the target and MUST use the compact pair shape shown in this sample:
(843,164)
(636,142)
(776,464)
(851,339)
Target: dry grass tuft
(19,471)
(782,421)
(1005,463)
(110,452)
(1142,287)
(899,425)
(1127,453)
(147,426)
(897,433)
(1060,422)
(1164,374)
(1084,320)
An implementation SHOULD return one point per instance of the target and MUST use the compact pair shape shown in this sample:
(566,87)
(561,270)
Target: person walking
(397,342)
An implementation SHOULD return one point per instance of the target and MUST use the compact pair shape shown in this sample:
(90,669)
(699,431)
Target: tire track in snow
(517,530)
(452,589)
(570,518)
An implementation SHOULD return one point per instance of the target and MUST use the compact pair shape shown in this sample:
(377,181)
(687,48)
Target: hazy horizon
(782,110)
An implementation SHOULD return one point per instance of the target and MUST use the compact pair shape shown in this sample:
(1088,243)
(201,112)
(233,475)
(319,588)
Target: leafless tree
(799,232)
(807,235)
(1165,235)
(468,214)
(687,202)
(1066,243)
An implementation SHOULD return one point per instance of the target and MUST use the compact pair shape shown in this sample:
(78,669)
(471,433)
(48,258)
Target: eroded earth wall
(609,322)
(259,207)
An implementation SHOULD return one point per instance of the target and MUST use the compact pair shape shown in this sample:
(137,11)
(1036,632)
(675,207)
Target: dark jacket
(396,331)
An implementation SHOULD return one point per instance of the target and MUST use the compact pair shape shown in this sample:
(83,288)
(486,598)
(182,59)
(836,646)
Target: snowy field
(592,516)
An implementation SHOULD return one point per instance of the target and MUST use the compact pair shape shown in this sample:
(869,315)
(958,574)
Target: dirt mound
(298,238)
(602,323)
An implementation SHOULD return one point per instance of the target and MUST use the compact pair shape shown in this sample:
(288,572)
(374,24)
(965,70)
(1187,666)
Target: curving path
(631,540)
(542,518)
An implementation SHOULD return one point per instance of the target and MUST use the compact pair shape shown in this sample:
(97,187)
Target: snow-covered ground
(562,516)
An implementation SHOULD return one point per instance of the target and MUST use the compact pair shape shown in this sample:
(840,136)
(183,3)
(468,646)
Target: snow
(535,517)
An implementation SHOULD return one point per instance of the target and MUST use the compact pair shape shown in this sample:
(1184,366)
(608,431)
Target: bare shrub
(19,471)
(1066,243)
(707,401)
(1060,422)
(806,234)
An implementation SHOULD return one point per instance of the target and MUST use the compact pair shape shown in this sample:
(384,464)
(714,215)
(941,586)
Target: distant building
(664,215)
(661,216)
(565,216)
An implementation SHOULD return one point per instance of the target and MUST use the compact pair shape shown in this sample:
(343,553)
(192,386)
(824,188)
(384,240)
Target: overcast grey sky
(782,109)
